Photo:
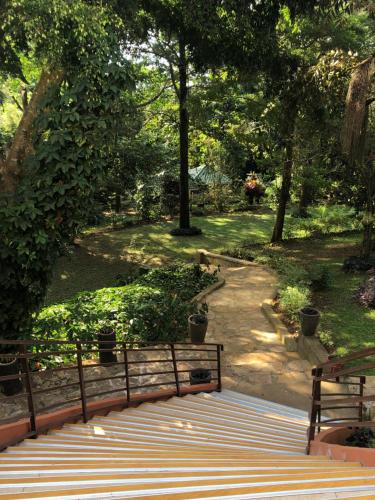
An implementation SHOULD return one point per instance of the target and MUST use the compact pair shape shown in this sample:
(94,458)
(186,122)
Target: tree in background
(60,147)
(358,139)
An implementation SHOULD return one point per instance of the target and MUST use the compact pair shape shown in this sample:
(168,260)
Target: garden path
(255,362)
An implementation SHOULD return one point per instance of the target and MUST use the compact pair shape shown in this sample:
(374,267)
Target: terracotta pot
(330,443)
(309,318)
(10,366)
(198,324)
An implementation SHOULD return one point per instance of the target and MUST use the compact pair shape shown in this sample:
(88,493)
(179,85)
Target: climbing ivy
(72,132)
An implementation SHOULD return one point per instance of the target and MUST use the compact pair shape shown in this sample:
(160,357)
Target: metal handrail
(27,351)
(340,371)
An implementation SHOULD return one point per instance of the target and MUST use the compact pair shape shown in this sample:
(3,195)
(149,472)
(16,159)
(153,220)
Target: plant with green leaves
(59,149)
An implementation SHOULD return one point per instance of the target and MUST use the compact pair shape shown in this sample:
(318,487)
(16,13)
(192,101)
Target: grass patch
(103,255)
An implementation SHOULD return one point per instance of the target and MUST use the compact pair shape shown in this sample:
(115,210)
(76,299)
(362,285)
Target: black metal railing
(167,364)
(343,407)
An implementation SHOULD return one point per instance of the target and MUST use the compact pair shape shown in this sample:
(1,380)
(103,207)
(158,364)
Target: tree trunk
(277,234)
(368,180)
(10,168)
(306,188)
(368,216)
(117,203)
(184,139)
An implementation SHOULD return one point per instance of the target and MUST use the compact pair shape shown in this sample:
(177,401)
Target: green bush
(121,221)
(323,219)
(242,253)
(320,277)
(182,280)
(292,299)
(134,311)
(154,307)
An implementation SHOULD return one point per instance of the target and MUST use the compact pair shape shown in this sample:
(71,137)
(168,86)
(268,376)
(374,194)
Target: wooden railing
(346,404)
(168,363)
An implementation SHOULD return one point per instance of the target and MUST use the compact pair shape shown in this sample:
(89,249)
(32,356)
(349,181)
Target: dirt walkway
(254,360)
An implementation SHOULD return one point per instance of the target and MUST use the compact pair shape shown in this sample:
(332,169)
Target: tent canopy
(207,175)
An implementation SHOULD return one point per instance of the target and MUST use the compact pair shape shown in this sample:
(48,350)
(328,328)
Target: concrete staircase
(219,445)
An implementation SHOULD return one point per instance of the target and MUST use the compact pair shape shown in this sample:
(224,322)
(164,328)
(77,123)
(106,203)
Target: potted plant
(106,342)
(351,444)
(309,317)
(200,376)
(10,366)
(198,324)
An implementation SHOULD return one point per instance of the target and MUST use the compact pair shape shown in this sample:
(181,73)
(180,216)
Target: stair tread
(218,445)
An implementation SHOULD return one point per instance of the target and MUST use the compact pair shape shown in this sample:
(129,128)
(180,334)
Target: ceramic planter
(106,340)
(198,324)
(309,318)
(200,376)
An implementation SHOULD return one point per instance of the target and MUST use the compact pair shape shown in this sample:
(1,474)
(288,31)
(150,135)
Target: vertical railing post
(219,348)
(126,365)
(173,352)
(29,387)
(81,381)
(362,381)
(315,396)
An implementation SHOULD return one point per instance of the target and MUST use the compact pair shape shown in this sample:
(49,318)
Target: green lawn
(102,255)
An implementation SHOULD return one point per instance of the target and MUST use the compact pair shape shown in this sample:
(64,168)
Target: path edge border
(273,318)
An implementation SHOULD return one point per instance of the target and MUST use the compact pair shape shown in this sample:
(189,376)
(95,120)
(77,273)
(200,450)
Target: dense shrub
(242,253)
(154,307)
(182,280)
(366,293)
(292,299)
(320,277)
(356,263)
(322,220)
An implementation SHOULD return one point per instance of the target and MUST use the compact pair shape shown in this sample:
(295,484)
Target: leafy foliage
(292,299)
(320,277)
(361,438)
(366,293)
(59,176)
(182,280)
(153,307)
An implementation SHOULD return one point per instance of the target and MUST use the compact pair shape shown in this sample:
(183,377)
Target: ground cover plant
(153,307)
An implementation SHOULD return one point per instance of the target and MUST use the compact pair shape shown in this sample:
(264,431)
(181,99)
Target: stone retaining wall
(55,381)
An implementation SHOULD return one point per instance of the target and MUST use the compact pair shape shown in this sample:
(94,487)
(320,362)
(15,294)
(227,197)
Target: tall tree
(60,147)
(358,139)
